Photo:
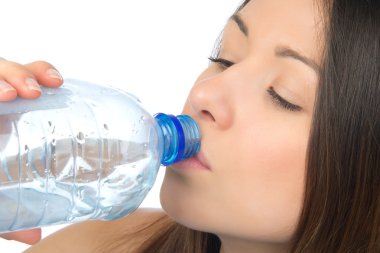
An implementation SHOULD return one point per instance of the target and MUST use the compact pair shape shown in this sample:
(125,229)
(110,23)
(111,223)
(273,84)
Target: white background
(153,49)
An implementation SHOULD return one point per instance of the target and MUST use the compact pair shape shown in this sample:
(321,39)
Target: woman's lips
(196,162)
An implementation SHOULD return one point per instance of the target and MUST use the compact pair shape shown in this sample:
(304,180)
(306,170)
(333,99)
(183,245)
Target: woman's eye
(221,62)
(224,64)
(282,102)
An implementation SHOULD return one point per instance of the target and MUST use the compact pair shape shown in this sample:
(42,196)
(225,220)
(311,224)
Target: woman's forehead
(296,23)
(296,11)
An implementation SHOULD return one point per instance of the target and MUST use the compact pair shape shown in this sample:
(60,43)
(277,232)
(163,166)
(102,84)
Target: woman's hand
(25,80)
(31,236)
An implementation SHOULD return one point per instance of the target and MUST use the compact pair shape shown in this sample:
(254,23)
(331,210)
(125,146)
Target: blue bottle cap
(181,137)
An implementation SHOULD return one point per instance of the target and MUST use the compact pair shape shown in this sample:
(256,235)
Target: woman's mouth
(196,162)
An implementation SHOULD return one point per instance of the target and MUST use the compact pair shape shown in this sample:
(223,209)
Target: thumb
(26,236)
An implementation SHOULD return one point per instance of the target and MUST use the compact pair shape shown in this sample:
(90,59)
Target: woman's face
(255,118)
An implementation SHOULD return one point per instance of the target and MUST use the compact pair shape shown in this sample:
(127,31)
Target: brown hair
(342,194)
(341,211)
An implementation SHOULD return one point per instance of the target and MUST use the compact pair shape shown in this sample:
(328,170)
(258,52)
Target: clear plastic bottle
(83,152)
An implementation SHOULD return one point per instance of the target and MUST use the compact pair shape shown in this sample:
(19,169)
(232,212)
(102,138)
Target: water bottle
(82,152)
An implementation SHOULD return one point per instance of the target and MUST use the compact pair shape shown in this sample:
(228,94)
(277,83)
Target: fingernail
(5,87)
(53,73)
(32,84)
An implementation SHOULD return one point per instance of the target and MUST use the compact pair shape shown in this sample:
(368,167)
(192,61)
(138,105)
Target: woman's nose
(210,100)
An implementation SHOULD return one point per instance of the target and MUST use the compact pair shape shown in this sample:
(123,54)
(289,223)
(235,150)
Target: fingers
(28,236)
(45,73)
(23,80)
(20,79)
(7,92)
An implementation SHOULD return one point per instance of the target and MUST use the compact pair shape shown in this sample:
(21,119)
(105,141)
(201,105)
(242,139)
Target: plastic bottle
(83,152)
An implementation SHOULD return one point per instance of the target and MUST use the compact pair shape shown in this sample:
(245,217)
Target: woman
(289,114)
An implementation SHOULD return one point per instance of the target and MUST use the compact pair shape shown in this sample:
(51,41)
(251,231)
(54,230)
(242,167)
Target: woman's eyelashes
(283,102)
(276,98)
(221,62)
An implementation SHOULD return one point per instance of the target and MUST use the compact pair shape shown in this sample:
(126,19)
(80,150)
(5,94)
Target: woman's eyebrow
(281,51)
(242,26)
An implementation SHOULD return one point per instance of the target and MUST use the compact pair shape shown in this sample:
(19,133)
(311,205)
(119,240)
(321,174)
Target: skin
(28,236)
(255,149)
(252,195)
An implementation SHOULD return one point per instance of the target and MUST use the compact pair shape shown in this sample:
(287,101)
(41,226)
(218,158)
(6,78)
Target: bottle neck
(181,137)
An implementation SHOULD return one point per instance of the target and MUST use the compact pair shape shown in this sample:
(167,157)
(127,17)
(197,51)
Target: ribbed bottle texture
(181,138)
(83,152)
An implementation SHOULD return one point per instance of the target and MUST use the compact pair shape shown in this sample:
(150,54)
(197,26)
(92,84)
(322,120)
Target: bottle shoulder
(98,236)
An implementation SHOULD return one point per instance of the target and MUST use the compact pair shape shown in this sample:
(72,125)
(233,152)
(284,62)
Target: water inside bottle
(105,193)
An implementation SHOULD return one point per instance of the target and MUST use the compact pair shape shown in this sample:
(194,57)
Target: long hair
(341,211)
